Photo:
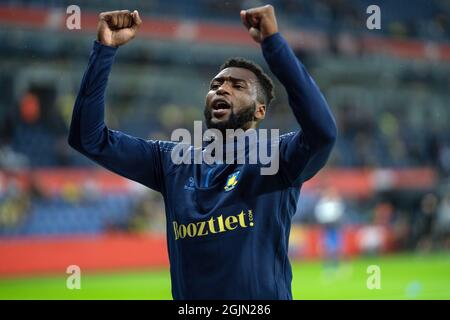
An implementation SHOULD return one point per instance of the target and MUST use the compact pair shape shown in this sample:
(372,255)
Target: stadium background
(383,198)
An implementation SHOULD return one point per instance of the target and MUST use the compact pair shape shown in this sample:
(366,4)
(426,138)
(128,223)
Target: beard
(235,120)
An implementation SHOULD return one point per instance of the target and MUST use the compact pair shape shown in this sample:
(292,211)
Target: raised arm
(131,157)
(304,153)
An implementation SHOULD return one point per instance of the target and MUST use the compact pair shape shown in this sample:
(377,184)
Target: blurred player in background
(329,212)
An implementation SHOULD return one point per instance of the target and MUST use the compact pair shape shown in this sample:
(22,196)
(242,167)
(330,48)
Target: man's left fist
(260,22)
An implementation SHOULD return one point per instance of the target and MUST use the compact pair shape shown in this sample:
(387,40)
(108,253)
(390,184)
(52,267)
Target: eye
(238,86)
(214,86)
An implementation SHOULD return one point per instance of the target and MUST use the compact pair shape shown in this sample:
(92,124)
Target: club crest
(232,180)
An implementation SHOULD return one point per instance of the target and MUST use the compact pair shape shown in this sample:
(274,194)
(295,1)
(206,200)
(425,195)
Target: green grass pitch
(402,277)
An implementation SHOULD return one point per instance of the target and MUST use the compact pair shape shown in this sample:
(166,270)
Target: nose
(223,89)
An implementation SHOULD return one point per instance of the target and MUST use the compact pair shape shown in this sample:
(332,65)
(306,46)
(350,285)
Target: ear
(260,112)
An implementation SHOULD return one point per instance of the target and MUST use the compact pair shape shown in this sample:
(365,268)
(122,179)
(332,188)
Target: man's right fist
(116,28)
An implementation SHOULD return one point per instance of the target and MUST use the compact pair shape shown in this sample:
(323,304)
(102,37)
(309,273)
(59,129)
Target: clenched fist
(260,22)
(116,28)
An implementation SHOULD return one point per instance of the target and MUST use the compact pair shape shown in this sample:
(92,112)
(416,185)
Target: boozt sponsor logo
(213,225)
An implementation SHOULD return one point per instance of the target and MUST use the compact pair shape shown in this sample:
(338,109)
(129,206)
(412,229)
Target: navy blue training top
(227,225)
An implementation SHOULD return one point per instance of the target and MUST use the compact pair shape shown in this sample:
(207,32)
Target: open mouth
(220,104)
(220,108)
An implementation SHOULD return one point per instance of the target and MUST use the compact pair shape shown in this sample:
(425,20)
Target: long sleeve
(133,158)
(303,153)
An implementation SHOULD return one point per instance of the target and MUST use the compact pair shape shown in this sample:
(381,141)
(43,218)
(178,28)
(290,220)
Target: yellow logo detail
(213,225)
(232,180)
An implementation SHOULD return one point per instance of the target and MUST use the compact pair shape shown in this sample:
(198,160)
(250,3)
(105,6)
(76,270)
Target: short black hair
(265,90)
